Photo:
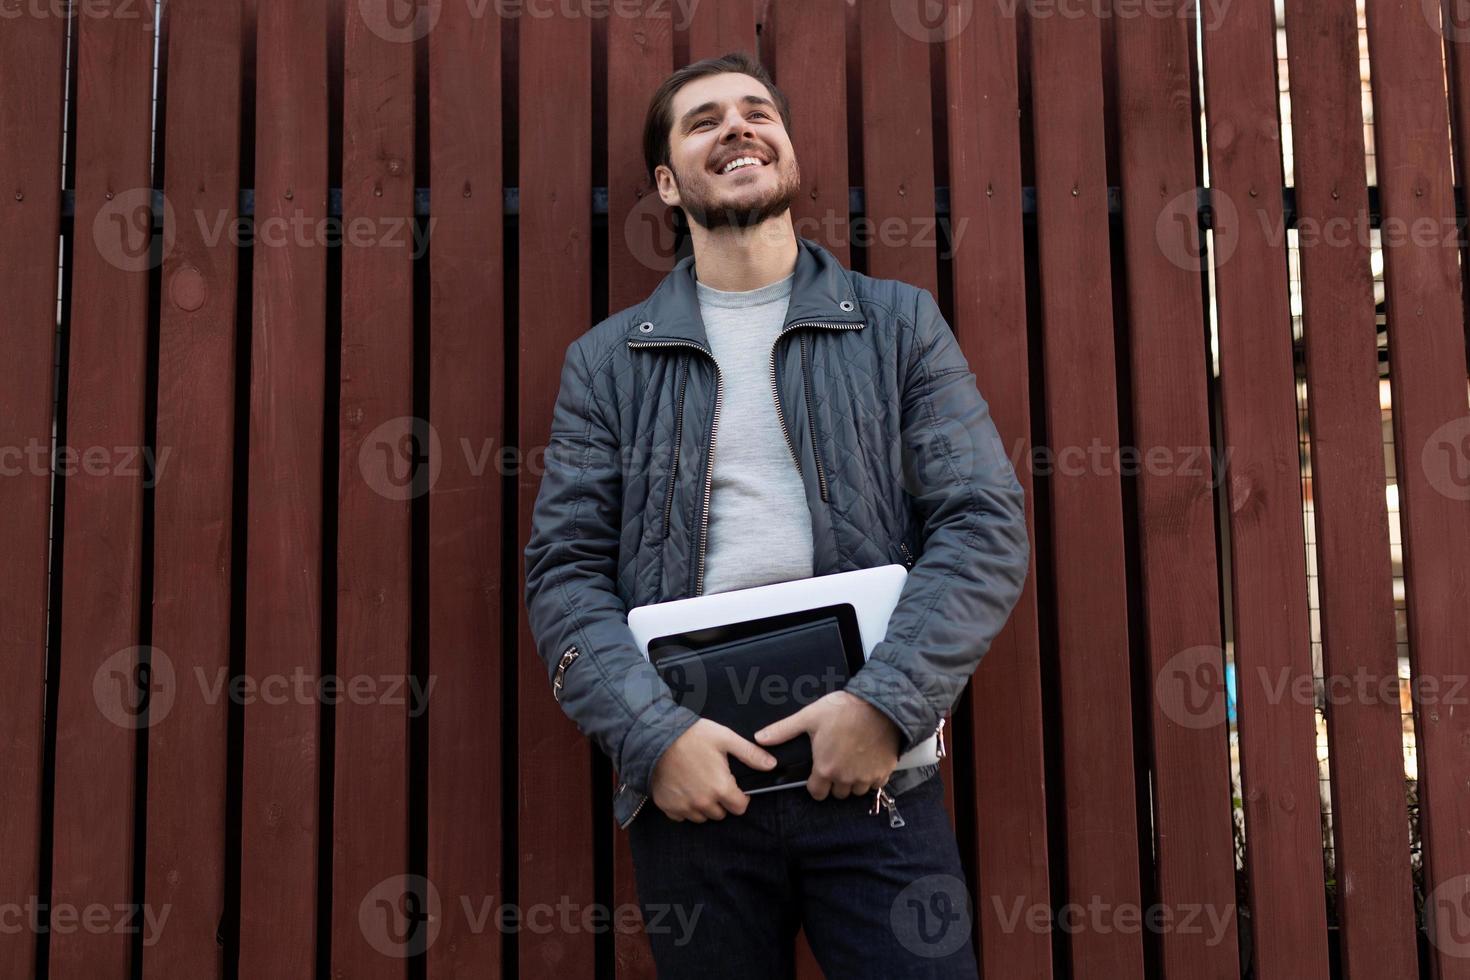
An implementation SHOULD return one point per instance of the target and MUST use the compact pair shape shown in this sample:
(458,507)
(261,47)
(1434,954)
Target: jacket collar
(821,290)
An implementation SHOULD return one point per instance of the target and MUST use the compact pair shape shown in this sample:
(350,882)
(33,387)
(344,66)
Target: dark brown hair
(660,119)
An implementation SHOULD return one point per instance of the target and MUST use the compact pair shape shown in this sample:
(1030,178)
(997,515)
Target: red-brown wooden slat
(1277,735)
(1194,848)
(280,832)
(466,374)
(809,40)
(1086,501)
(379,473)
(898,149)
(555,778)
(32,66)
(99,687)
(641,251)
(1427,361)
(718,28)
(187,766)
(1365,737)
(1010,847)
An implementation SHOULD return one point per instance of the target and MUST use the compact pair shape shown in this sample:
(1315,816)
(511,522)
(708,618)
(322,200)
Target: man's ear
(668,190)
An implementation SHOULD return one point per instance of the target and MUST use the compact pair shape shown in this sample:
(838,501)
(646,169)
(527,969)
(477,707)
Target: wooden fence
(318,265)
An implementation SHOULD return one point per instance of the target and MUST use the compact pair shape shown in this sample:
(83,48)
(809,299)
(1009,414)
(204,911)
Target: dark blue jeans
(725,898)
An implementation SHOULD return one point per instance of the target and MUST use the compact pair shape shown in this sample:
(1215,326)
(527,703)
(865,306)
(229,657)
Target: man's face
(718,120)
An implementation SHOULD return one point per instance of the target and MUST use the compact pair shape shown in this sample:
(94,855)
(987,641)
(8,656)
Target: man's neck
(739,259)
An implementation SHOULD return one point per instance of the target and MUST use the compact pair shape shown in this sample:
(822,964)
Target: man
(767,415)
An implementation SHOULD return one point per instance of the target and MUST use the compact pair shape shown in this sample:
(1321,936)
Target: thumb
(787,728)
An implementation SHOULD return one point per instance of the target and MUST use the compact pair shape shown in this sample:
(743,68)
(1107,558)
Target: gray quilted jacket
(901,463)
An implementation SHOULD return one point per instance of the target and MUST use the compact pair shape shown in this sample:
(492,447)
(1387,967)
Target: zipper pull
(885,799)
(561,671)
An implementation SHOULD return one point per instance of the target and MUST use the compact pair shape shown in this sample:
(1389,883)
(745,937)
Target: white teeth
(739,162)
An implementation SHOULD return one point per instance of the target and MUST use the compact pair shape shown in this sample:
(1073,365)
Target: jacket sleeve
(607,687)
(973,563)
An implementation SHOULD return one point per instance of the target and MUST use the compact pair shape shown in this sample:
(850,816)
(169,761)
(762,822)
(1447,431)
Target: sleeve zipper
(561,671)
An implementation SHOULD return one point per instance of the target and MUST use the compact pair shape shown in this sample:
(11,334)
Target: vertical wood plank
(1194,849)
(280,827)
(1272,639)
(1365,737)
(466,377)
(32,76)
(555,814)
(187,737)
(641,251)
(1010,846)
(1426,339)
(810,40)
(898,146)
(717,29)
(100,699)
(1086,501)
(379,473)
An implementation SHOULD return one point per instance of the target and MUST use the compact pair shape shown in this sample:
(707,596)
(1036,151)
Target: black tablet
(749,674)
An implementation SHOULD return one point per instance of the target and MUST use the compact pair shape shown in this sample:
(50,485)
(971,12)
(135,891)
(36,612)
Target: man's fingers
(818,786)
(786,728)
(748,752)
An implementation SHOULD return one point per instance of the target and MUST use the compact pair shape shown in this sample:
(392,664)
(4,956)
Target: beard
(701,198)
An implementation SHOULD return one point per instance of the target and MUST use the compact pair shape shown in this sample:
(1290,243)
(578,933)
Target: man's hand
(854,745)
(692,779)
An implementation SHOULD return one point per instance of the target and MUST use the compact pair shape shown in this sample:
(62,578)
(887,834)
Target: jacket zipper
(709,463)
(811,418)
(678,437)
(561,671)
(884,800)
(776,392)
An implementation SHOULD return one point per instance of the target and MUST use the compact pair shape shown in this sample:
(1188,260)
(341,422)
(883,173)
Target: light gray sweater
(760,530)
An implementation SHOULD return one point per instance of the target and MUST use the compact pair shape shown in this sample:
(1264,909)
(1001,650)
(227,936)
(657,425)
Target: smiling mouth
(745,167)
